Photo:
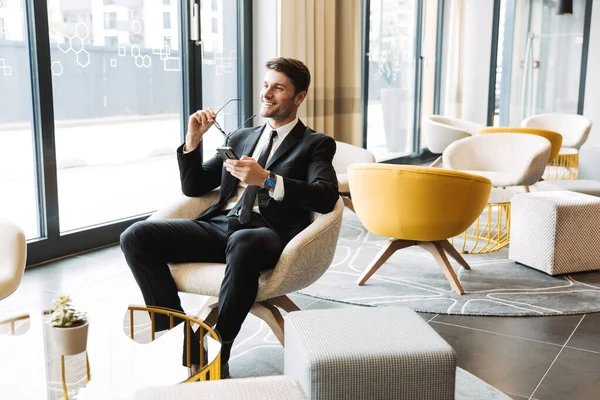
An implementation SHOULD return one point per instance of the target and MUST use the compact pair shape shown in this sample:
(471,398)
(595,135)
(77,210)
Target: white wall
(265,31)
(589,158)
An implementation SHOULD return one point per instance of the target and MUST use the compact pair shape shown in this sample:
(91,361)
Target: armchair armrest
(305,258)
(187,207)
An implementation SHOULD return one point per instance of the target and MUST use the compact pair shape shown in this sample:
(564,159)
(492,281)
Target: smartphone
(227,153)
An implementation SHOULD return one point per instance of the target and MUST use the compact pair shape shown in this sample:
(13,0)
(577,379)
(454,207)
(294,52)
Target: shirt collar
(282,131)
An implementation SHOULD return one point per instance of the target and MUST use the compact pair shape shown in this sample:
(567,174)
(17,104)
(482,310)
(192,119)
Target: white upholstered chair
(304,260)
(439,131)
(507,159)
(13,255)
(346,155)
(574,128)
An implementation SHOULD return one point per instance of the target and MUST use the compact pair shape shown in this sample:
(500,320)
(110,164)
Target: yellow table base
(490,232)
(564,167)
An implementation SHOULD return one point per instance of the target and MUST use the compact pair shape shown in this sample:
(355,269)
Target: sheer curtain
(325,35)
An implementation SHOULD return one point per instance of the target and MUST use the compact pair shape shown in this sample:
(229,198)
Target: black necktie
(246,202)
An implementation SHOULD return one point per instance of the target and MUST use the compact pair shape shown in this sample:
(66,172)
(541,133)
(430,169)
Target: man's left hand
(247,170)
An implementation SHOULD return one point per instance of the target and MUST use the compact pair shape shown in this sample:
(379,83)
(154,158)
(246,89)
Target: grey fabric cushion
(265,388)
(368,353)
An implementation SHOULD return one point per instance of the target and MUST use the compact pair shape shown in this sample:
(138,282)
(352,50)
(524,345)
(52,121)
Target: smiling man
(265,199)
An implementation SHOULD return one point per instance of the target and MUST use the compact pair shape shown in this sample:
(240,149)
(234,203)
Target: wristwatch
(270,182)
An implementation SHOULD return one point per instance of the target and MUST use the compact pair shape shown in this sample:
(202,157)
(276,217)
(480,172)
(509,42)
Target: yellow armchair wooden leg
(385,253)
(437,251)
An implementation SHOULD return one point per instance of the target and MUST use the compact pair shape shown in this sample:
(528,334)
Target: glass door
(392,66)
(541,59)
(116,78)
(18,164)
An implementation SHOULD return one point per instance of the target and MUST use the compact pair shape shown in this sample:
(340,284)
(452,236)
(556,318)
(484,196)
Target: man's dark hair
(293,69)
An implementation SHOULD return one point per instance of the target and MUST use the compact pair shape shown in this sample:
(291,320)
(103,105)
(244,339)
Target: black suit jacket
(303,159)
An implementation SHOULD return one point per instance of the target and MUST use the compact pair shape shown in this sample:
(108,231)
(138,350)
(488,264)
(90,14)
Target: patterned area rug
(494,285)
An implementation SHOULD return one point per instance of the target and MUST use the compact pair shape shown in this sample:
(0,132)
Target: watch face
(270,183)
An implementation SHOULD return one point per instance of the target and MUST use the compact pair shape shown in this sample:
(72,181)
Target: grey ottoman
(556,232)
(265,388)
(368,353)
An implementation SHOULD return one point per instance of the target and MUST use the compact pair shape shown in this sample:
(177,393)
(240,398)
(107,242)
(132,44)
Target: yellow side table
(491,231)
(564,167)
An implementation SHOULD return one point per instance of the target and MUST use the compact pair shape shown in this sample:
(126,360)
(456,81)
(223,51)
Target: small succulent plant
(64,313)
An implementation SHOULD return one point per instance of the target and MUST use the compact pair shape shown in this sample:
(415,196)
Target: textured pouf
(264,388)
(585,186)
(368,353)
(556,232)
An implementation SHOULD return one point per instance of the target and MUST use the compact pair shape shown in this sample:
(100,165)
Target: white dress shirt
(278,192)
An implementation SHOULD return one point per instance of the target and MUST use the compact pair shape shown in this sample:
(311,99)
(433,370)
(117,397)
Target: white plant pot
(69,341)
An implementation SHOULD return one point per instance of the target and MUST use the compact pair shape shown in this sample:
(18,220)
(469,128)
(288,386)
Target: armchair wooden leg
(437,162)
(283,302)
(382,256)
(452,252)
(348,203)
(209,311)
(437,251)
(271,315)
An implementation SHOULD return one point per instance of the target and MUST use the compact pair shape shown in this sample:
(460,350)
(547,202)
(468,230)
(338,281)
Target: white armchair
(304,260)
(13,255)
(574,128)
(346,155)
(439,132)
(507,159)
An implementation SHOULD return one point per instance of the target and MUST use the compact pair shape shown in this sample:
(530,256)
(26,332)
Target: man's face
(277,97)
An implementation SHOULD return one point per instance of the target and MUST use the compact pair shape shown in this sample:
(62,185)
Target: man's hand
(198,123)
(247,170)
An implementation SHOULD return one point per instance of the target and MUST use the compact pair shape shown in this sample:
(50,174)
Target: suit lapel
(252,141)
(289,142)
(230,183)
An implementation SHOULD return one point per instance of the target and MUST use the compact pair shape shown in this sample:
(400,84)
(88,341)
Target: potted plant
(69,327)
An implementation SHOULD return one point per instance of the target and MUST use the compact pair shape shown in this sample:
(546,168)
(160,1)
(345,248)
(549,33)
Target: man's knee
(246,247)
(131,237)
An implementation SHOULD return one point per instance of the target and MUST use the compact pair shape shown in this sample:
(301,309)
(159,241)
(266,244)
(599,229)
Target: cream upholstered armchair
(439,131)
(346,155)
(13,255)
(304,260)
(574,128)
(506,159)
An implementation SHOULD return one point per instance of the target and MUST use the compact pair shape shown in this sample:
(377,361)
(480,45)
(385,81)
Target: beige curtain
(325,35)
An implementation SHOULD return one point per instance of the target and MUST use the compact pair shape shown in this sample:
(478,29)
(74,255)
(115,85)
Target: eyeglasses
(216,124)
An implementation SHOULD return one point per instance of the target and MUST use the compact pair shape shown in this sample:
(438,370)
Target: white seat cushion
(584,186)
(263,388)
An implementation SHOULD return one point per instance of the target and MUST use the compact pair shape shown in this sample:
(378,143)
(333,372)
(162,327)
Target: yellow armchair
(417,206)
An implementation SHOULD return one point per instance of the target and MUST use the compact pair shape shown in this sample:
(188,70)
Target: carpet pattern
(494,285)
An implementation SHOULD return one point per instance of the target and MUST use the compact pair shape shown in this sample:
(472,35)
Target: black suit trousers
(247,250)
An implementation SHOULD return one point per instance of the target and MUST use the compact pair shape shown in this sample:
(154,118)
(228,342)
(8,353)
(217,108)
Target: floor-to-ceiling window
(95,99)
(541,58)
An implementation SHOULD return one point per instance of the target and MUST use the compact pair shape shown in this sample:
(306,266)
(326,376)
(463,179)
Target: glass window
(117,112)
(391,94)
(112,41)
(19,194)
(219,70)
(166,2)
(215,5)
(167,20)
(215,26)
(110,20)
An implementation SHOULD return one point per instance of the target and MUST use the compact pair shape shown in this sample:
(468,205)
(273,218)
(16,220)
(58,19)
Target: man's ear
(300,98)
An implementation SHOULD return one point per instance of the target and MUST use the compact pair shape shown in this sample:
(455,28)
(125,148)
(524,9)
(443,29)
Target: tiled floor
(543,358)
